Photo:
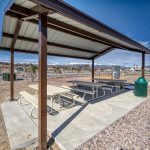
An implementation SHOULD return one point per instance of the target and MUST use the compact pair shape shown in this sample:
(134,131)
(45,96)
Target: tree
(31,72)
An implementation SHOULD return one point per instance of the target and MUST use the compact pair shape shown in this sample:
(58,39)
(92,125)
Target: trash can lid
(141,80)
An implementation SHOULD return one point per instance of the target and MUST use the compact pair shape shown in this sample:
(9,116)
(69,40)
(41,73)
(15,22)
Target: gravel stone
(131,132)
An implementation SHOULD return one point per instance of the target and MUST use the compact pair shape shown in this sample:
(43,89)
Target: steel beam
(143,65)
(93,69)
(11,74)
(49,54)
(42,87)
(17,29)
(7,35)
(102,53)
(31,17)
(16,33)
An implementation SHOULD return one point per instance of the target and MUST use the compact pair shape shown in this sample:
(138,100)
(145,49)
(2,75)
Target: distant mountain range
(70,64)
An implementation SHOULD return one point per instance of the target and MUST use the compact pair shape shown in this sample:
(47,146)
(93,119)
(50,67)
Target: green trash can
(141,87)
(6,76)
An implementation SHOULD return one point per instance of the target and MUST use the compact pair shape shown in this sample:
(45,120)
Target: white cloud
(123,58)
(79,63)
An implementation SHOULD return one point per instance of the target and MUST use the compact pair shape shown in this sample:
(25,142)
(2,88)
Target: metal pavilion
(53,27)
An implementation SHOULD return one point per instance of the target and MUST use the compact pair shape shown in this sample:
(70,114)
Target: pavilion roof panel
(68,52)
(6,42)
(17,45)
(9,25)
(67,39)
(60,17)
(87,28)
(29,46)
(24,28)
(35,46)
(23,45)
(35,33)
(25,3)
(72,22)
(31,28)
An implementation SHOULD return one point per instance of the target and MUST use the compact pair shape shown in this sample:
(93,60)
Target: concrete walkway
(74,126)
(90,119)
(21,130)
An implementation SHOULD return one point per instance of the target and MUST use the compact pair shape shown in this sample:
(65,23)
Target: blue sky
(130,17)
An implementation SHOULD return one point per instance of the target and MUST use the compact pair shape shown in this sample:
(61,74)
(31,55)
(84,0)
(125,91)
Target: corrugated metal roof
(9,25)
(68,52)
(84,27)
(25,3)
(6,42)
(29,31)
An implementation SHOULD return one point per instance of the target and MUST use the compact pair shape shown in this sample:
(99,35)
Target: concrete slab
(90,119)
(21,130)
(72,127)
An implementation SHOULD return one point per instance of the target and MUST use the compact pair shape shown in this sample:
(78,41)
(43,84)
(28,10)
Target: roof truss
(102,53)
(36,52)
(7,35)
(17,29)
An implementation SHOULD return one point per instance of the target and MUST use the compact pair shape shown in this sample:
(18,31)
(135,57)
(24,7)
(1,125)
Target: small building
(19,69)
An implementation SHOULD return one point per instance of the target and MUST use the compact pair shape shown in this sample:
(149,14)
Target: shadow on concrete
(107,97)
(67,122)
(64,125)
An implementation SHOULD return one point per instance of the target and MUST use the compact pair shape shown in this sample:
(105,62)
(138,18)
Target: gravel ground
(131,132)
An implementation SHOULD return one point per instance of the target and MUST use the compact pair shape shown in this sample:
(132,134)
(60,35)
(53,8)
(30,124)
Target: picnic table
(117,82)
(52,91)
(94,85)
(78,82)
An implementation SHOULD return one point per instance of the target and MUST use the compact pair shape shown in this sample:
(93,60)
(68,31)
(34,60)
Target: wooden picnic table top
(51,90)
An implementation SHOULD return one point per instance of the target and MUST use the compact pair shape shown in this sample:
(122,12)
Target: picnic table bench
(118,82)
(55,91)
(81,91)
(104,85)
(31,100)
(95,87)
